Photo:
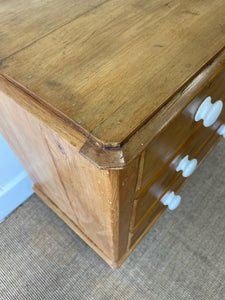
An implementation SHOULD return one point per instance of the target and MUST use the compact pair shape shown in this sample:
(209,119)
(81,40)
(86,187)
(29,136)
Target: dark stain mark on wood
(60,147)
(210,84)
(222,26)
(52,84)
(167,4)
(2,62)
(158,46)
(4,67)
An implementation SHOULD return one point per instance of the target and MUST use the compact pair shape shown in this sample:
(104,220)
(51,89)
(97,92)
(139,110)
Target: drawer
(200,155)
(147,223)
(170,179)
(167,143)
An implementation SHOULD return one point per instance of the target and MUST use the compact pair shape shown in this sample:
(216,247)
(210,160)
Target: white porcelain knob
(208,111)
(171,200)
(187,166)
(221,130)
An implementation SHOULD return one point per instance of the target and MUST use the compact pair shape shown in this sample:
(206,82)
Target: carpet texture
(182,256)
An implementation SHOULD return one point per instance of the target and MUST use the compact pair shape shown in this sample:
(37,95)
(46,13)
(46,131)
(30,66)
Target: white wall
(15,185)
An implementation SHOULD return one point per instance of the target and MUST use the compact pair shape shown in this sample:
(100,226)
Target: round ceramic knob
(208,111)
(171,200)
(221,130)
(187,166)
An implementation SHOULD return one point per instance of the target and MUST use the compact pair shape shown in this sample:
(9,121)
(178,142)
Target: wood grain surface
(24,22)
(97,100)
(183,106)
(108,66)
(97,202)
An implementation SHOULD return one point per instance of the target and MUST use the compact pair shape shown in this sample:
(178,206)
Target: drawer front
(147,223)
(170,179)
(171,140)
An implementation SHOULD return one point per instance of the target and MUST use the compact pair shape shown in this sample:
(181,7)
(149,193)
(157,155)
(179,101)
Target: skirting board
(14,193)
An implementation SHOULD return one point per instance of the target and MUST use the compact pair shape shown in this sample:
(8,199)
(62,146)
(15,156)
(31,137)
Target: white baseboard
(14,193)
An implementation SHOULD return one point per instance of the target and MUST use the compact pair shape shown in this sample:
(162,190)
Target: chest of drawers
(111,106)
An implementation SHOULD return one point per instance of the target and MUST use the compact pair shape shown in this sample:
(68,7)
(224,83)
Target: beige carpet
(182,257)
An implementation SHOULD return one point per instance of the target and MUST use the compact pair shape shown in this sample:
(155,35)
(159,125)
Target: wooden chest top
(108,67)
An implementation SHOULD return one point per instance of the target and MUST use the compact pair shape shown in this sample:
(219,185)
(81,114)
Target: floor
(182,256)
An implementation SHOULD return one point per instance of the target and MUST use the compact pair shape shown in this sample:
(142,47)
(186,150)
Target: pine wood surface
(108,66)
(210,80)
(97,100)
(98,202)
